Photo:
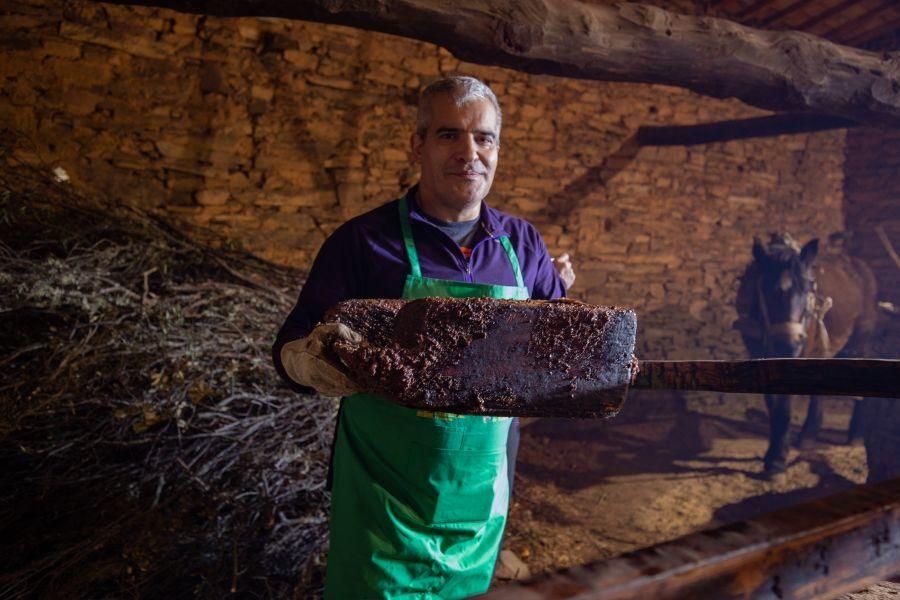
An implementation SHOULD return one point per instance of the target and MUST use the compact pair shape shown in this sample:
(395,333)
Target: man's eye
(446,135)
(486,140)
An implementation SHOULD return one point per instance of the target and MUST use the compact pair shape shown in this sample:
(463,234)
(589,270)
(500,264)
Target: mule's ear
(759,251)
(809,252)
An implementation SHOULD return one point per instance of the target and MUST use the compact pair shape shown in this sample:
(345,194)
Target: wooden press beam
(823,376)
(776,70)
(723,131)
(815,550)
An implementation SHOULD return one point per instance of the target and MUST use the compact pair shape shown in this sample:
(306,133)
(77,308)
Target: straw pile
(149,449)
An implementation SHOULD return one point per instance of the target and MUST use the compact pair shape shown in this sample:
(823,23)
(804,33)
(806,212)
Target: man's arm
(336,275)
(548,285)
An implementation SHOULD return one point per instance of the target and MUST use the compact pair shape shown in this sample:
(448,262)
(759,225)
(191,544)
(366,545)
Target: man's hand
(566,272)
(306,361)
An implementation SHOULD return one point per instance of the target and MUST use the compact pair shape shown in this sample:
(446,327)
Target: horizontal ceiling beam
(724,131)
(775,70)
(825,14)
(883,26)
(783,12)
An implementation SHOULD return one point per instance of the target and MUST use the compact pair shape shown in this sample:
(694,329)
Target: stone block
(392,154)
(139,45)
(300,59)
(212,197)
(184,182)
(427,66)
(329,82)
(262,92)
(63,49)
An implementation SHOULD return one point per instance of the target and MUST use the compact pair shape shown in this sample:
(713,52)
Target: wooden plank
(837,8)
(723,131)
(827,376)
(849,29)
(776,70)
(875,30)
(815,550)
(791,7)
(752,8)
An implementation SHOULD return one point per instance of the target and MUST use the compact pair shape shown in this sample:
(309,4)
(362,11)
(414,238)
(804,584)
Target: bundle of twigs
(148,448)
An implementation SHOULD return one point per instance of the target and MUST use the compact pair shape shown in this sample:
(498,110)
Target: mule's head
(785,293)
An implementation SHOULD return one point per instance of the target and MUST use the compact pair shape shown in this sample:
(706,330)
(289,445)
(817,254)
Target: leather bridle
(816,307)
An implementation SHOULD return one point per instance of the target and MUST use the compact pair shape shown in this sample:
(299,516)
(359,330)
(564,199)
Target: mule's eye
(786,281)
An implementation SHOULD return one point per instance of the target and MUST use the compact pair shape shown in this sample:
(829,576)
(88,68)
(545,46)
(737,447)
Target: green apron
(419,499)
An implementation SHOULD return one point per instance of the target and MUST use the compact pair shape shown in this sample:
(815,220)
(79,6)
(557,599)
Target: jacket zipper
(464,263)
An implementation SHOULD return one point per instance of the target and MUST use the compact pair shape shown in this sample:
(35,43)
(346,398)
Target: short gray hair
(462,89)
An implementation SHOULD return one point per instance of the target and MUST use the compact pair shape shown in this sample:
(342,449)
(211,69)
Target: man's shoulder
(373,220)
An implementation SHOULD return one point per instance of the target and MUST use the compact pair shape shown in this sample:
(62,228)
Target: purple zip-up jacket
(365,258)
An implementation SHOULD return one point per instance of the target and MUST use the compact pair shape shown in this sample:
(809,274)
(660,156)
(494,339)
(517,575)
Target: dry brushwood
(149,449)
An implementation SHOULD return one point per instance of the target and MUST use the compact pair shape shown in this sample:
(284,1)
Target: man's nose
(467,149)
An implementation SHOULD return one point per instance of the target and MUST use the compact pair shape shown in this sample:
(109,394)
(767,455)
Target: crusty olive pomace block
(491,357)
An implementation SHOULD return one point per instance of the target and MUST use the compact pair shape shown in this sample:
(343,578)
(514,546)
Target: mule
(798,302)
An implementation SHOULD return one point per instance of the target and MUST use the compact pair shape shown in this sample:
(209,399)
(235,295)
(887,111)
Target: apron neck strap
(415,268)
(513,260)
(413,255)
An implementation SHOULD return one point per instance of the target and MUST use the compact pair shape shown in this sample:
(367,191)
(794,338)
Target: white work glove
(305,360)
(566,272)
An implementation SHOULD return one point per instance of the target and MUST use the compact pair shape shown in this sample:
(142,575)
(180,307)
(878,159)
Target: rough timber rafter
(776,70)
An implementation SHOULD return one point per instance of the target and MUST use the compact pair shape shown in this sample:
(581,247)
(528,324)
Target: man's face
(458,155)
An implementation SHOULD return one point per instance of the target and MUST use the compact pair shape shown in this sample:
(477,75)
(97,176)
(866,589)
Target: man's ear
(415,143)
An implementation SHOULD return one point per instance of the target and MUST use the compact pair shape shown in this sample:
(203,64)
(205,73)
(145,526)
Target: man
(419,499)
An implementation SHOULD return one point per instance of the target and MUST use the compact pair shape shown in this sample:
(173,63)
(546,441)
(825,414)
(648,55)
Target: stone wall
(273,132)
(872,211)
(872,202)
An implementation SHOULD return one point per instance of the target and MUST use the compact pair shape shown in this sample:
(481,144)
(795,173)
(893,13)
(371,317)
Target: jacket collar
(488,216)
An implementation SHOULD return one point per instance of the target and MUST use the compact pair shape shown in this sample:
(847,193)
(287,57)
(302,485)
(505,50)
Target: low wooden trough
(815,550)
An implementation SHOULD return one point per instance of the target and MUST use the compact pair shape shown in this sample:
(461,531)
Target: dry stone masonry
(274,132)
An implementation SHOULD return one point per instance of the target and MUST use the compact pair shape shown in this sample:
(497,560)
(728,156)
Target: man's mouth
(468,175)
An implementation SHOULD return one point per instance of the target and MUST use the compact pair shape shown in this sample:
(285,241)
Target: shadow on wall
(566,201)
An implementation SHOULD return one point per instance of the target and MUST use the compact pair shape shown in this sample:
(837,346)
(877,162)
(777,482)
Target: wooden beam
(717,4)
(815,550)
(839,7)
(749,10)
(820,376)
(851,28)
(791,7)
(878,29)
(776,70)
(723,131)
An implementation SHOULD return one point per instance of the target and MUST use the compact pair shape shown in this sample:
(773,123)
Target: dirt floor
(587,490)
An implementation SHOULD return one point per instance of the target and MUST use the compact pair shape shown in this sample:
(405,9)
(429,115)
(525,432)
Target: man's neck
(445,213)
